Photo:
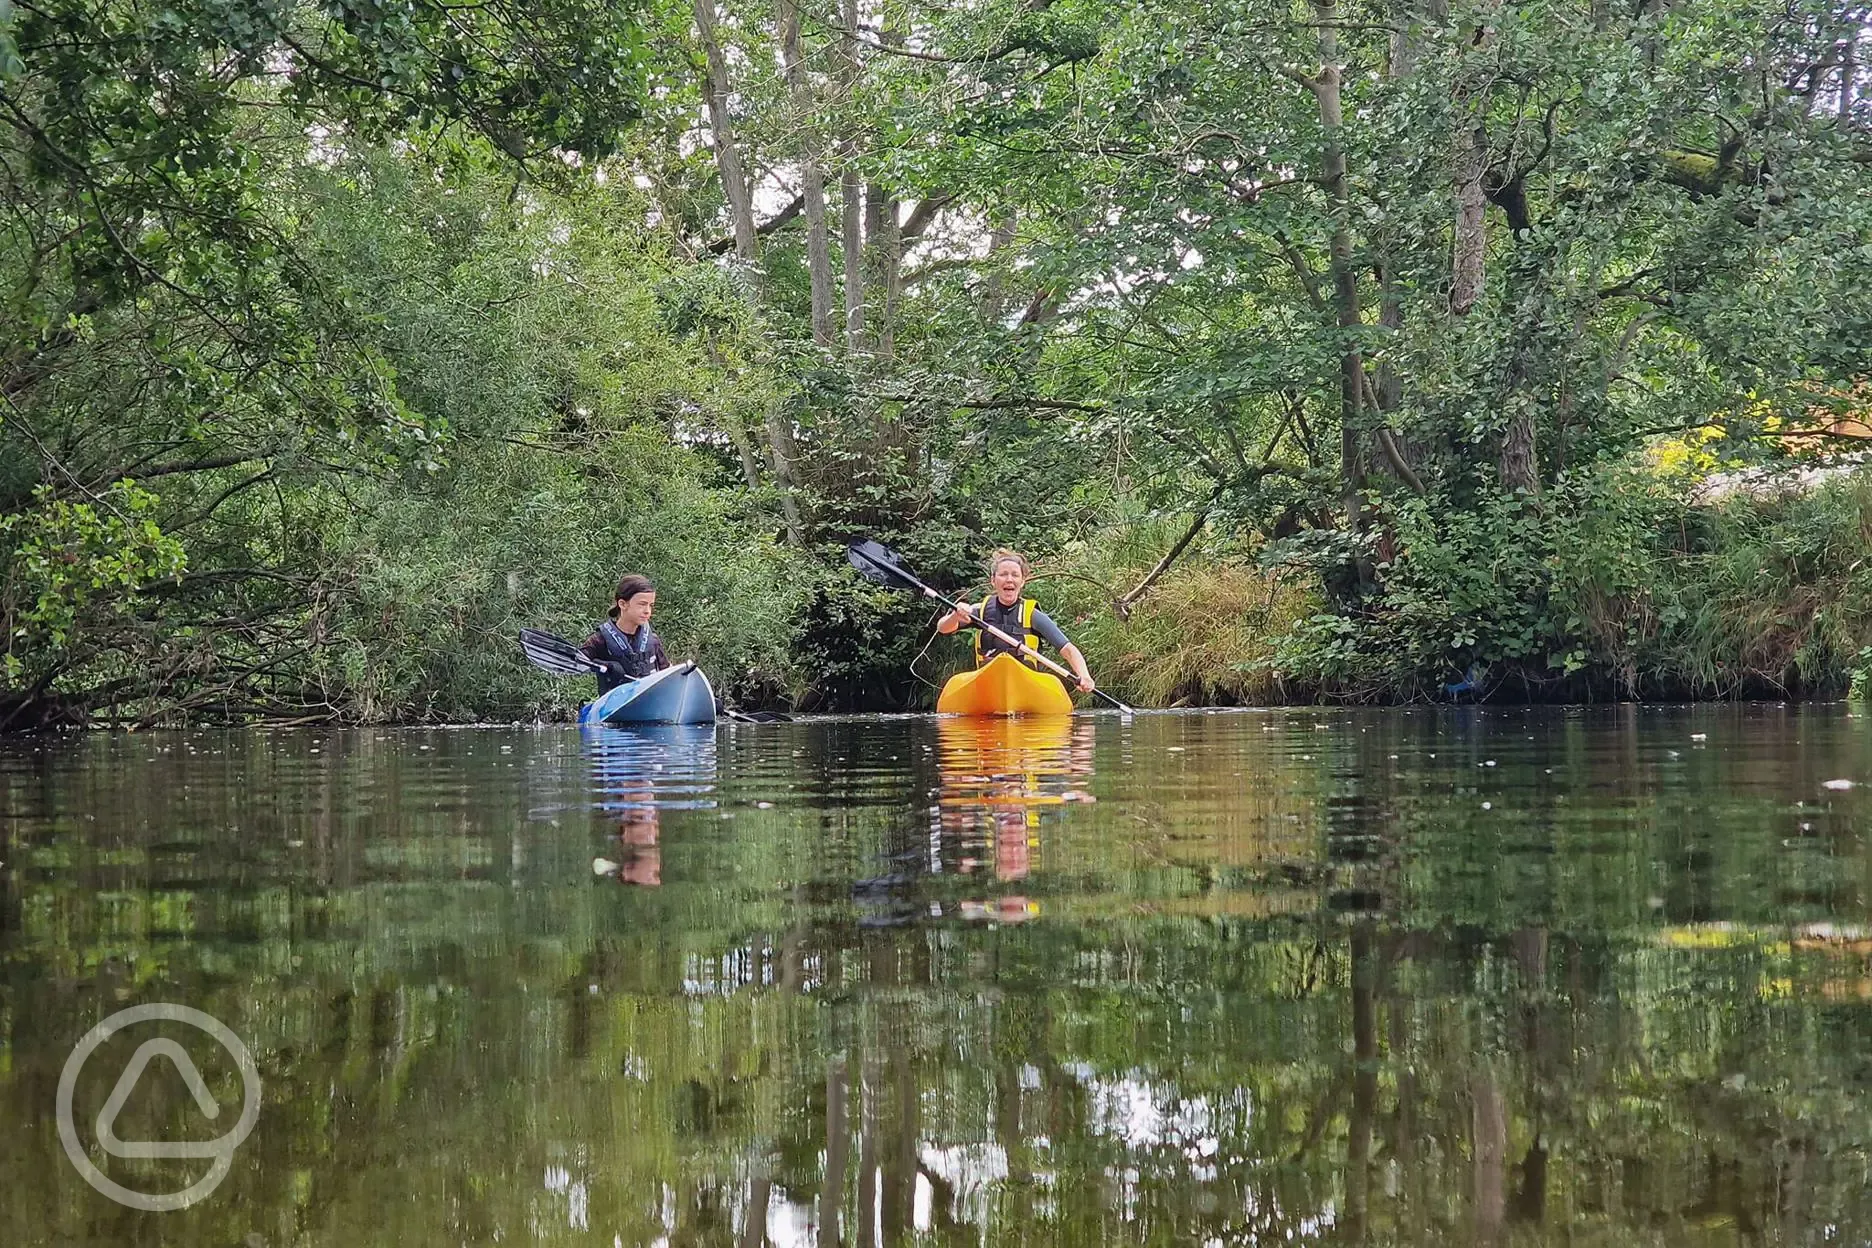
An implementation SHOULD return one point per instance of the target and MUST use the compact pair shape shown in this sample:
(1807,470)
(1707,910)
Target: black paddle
(552,653)
(877,564)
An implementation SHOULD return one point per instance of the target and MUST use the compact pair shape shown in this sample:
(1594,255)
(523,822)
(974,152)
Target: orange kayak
(1004,686)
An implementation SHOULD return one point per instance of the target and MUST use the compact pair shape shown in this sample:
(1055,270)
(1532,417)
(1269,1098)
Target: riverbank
(1629,590)
(1632,589)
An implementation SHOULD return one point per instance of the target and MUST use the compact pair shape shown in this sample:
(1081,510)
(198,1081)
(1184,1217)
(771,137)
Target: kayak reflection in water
(1017,616)
(1000,780)
(638,773)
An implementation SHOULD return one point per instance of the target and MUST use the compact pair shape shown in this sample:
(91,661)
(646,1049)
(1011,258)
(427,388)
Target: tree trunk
(1388,391)
(744,450)
(1489,1155)
(1519,467)
(851,197)
(812,177)
(1849,73)
(994,291)
(784,454)
(837,1152)
(884,241)
(1470,108)
(851,242)
(735,189)
(865,1219)
(1527,276)
(1364,1082)
(754,1223)
(1325,87)
(715,89)
(731,423)
(1471,233)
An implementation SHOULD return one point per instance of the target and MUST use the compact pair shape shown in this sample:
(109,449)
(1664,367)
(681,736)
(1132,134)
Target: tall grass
(1773,595)
(1622,590)
(1204,634)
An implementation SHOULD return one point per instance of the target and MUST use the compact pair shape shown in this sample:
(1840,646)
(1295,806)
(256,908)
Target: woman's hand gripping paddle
(876,563)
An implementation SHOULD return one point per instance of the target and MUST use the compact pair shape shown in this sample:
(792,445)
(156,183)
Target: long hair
(633,584)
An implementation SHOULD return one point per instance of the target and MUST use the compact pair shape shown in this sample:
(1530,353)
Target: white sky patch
(789,1223)
(323,148)
(971,1171)
(923,1202)
(1148,1115)
(560,1182)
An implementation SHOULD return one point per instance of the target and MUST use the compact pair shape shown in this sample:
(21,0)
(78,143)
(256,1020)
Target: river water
(1424,977)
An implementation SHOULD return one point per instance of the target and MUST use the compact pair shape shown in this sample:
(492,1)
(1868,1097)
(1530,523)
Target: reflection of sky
(970,1170)
(1142,1114)
(577,1197)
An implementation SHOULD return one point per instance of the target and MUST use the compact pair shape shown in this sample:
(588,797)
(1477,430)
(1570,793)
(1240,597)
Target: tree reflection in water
(1295,976)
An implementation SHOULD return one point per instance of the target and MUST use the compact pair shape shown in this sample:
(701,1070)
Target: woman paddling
(1016,616)
(624,643)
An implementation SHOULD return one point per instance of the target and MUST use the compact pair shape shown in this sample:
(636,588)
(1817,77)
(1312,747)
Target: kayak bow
(675,695)
(1004,686)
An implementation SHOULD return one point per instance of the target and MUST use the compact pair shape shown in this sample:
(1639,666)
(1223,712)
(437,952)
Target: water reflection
(1002,779)
(637,772)
(1529,978)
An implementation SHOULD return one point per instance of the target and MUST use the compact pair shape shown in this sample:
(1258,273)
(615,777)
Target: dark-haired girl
(624,643)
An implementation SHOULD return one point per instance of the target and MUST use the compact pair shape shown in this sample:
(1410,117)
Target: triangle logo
(126,1084)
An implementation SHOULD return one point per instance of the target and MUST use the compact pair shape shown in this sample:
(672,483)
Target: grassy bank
(1624,590)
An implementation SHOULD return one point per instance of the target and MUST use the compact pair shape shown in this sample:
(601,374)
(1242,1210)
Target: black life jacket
(987,645)
(634,654)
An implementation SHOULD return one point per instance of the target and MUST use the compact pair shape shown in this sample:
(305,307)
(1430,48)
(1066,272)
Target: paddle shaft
(1019,645)
(891,567)
(540,645)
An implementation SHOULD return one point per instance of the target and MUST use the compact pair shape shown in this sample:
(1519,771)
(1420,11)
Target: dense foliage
(339,340)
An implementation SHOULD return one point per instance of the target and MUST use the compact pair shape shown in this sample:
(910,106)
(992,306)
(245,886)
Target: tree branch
(780,220)
(1057,405)
(1123,605)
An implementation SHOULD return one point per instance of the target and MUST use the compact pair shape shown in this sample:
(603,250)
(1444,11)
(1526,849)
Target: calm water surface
(1457,976)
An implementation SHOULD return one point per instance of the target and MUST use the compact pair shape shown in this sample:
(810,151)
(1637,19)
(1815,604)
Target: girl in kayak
(1016,616)
(624,643)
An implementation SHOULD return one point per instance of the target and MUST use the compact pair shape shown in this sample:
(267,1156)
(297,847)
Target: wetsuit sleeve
(656,653)
(1048,631)
(594,648)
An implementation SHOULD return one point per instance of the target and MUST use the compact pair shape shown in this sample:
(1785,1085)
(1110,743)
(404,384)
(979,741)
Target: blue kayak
(675,695)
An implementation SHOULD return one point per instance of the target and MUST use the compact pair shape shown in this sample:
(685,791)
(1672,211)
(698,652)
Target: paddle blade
(756,717)
(555,654)
(875,562)
(540,639)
